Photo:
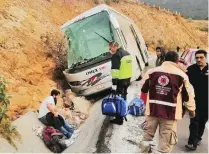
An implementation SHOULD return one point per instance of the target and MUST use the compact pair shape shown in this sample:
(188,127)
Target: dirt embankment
(30,36)
(30,33)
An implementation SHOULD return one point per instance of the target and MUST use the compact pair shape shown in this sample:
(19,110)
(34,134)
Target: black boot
(191,147)
(117,120)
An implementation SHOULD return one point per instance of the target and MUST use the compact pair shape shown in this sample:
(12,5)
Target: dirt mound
(27,55)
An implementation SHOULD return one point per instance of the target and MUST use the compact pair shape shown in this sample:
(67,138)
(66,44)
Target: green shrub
(7,131)
(189,19)
(204,29)
(4,98)
(160,41)
(96,1)
(107,1)
(152,42)
(56,48)
(116,1)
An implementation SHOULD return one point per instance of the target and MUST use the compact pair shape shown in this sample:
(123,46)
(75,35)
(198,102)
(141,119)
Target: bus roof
(91,12)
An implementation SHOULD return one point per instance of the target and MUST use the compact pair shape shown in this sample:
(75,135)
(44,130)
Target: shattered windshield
(88,38)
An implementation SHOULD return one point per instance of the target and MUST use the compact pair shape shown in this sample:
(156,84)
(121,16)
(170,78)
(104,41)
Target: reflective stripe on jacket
(121,65)
(167,86)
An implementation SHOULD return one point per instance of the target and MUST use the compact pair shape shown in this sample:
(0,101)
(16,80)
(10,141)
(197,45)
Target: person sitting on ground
(160,52)
(49,117)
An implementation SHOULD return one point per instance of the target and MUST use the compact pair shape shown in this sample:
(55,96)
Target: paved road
(183,133)
(126,138)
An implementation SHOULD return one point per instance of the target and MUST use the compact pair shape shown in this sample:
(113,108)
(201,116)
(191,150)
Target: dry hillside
(202,25)
(161,26)
(30,36)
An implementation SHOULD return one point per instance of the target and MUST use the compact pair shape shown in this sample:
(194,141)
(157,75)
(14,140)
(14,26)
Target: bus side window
(123,38)
(137,42)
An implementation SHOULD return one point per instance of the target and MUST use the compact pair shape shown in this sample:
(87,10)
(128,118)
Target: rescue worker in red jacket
(163,90)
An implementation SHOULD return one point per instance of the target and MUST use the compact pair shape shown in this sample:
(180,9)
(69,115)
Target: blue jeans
(66,129)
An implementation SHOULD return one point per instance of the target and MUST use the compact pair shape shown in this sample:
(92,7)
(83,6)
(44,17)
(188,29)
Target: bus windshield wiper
(103,38)
(103,54)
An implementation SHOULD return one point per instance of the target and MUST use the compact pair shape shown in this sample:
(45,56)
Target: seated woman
(48,116)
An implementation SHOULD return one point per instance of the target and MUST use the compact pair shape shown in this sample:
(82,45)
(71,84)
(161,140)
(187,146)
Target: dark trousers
(197,126)
(122,91)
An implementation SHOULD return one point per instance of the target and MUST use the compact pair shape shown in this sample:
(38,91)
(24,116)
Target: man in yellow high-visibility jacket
(121,71)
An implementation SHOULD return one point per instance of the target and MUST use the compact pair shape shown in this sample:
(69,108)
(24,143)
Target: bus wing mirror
(114,22)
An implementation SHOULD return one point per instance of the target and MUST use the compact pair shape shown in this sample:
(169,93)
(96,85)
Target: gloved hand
(144,97)
(114,87)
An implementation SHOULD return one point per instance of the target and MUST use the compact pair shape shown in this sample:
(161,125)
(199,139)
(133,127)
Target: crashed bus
(89,60)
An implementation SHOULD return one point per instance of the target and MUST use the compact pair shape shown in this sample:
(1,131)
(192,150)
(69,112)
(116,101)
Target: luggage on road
(137,107)
(114,106)
(51,138)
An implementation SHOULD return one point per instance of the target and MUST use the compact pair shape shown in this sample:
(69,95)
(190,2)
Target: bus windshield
(88,38)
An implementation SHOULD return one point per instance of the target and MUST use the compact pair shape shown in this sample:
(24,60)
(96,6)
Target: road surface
(126,138)
(183,133)
(112,138)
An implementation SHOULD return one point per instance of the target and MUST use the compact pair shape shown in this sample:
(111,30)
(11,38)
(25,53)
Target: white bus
(89,60)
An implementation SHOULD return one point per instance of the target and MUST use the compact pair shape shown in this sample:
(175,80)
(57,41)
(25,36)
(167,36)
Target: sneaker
(191,147)
(69,142)
(198,142)
(64,137)
(145,147)
(68,136)
(76,131)
(74,136)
